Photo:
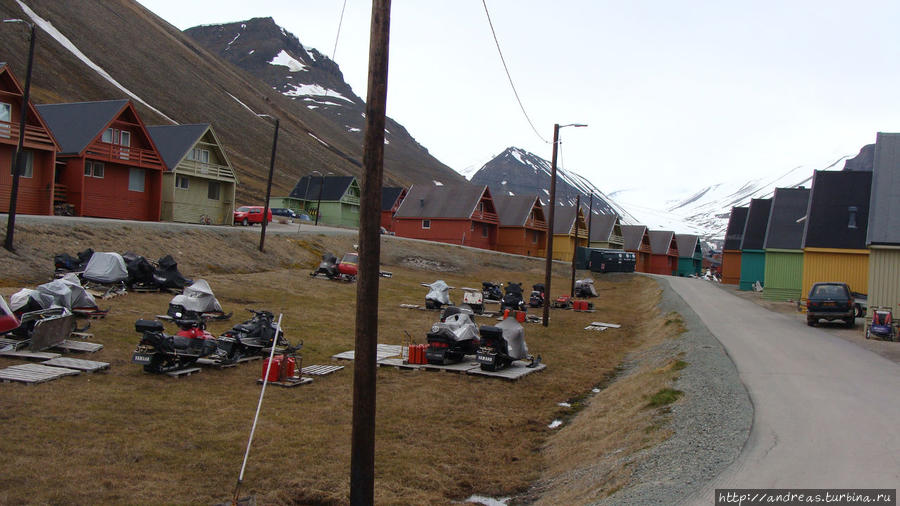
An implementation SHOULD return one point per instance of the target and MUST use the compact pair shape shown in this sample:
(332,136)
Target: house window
(199,155)
(484,230)
(472,226)
(120,137)
(534,235)
(135,179)
(93,169)
(852,211)
(28,161)
(5,118)
(426,223)
(181,182)
(214,190)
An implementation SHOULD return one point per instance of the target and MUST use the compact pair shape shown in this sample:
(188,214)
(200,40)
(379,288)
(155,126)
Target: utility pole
(590,218)
(265,217)
(19,159)
(362,451)
(575,249)
(548,267)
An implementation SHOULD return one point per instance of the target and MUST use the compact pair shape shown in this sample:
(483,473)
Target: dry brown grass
(128,437)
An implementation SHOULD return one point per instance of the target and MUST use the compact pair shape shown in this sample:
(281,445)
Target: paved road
(826,412)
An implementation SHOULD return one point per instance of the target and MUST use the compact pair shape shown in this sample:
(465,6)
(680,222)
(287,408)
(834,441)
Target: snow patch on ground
(66,43)
(315,90)
(318,139)
(228,46)
(286,60)
(554,424)
(251,51)
(243,104)
(437,183)
(352,129)
(488,501)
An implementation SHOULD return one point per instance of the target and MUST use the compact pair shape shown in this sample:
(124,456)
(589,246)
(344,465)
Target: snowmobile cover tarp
(460,325)
(27,300)
(586,287)
(439,292)
(167,275)
(514,335)
(64,292)
(106,268)
(8,321)
(139,269)
(198,297)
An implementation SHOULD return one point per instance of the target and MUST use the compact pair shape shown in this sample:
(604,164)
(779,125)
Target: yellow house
(564,224)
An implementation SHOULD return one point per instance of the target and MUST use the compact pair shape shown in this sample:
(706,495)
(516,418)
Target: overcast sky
(676,94)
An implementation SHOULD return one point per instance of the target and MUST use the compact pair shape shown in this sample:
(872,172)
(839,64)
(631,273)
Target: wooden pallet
(145,289)
(459,367)
(81,335)
(382,351)
(184,372)
(30,355)
(69,345)
(398,363)
(34,373)
(220,365)
(515,371)
(290,382)
(77,364)
(320,370)
(604,324)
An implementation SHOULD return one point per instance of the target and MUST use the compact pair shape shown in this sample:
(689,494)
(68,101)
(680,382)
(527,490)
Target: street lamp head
(17,20)
(573,125)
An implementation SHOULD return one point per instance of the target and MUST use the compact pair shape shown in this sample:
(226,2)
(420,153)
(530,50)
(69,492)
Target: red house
(664,252)
(458,214)
(35,193)
(108,166)
(637,241)
(391,197)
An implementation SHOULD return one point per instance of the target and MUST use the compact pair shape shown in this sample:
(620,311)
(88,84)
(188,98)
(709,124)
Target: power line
(338,36)
(505,68)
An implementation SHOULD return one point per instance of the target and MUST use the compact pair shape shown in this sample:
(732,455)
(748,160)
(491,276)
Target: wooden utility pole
(362,451)
(265,220)
(575,249)
(549,263)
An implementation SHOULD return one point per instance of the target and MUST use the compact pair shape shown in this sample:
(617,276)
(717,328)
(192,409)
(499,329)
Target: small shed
(523,229)
(731,253)
(883,237)
(637,241)
(690,255)
(834,238)
(391,197)
(753,256)
(664,252)
(461,214)
(334,198)
(784,236)
(565,219)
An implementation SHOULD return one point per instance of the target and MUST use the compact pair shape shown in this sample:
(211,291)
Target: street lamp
(321,187)
(265,216)
(18,159)
(549,263)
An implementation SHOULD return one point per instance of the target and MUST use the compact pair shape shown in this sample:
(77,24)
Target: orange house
(391,197)
(734,236)
(107,165)
(664,252)
(523,229)
(637,241)
(35,192)
(459,214)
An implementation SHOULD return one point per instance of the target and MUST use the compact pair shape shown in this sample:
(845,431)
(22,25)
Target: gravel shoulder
(710,424)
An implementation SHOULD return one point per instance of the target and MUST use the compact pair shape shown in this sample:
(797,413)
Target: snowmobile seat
(148,326)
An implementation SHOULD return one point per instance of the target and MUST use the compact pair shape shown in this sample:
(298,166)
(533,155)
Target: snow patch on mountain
(312,90)
(286,60)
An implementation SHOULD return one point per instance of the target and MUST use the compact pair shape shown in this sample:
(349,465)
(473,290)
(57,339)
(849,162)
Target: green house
(335,199)
(198,185)
(753,256)
(606,231)
(784,238)
(690,255)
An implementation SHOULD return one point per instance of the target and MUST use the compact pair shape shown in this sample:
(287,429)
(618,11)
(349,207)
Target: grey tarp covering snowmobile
(106,267)
(514,335)
(585,288)
(460,326)
(198,298)
(64,292)
(439,292)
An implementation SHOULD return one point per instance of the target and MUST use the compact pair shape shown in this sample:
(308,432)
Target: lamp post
(549,263)
(575,249)
(319,203)
(265,216)
(18,159)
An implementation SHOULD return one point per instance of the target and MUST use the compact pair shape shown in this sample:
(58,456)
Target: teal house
(690,255)
(753,253)
(335,199)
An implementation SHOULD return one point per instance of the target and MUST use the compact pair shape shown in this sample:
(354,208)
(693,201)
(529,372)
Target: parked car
(284,212)
(248,215)
(303,217)
(830,301)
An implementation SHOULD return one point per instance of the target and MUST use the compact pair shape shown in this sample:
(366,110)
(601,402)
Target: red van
(248,215)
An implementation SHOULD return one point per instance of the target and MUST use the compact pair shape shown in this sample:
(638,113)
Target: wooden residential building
(391,197)
(664,252)
(523,229)
(606,231)
(753,256)
(637,241)
(461,214)
(784,237)
(834,236)
(334,198)
(564,239)
(35,193)
(690,255)
(199,183)
(883,237)
(107,165)
(731,252)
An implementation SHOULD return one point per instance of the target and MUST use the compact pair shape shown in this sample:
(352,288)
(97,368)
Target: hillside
(171,77)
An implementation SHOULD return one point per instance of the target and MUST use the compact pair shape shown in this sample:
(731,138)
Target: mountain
(118,49)
(518,172)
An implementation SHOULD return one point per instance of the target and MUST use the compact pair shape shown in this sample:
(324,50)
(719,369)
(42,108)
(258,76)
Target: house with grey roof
(523,229)
(199,183)
(330,200)
(605,231)
(456,214)
(731,253)
(753,256)
(782,245)
(883,235)
(637,241)
(569,231)
(690,254)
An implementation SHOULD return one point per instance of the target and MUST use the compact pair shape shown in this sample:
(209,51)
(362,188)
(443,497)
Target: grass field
(128,437)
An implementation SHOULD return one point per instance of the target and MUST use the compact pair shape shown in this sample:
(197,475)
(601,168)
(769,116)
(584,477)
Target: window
(5,117)
(94,169)
(484,230)
(28,161)
(182,182)
(426,223)
(136,180)
(199,155)
(472,226)
(534,236)
(214,190)
(109,136)
(125,142)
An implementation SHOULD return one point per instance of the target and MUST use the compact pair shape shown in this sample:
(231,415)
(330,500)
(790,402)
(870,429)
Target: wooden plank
(81,335)
(459,367)
(292,382)
(35,373)
(398,363)
(31,355)
(382,351)
(320,370)
(595,327)
(603,324)
(183,372)
(513,372)
(69,345)
(77,364)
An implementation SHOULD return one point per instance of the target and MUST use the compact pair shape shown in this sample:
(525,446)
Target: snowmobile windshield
(439,291)
(514,335)
(460,325)
(198,297)
(350,258)
(329,258)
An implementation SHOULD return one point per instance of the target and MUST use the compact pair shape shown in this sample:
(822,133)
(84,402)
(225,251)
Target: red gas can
(520,316)
(275,371)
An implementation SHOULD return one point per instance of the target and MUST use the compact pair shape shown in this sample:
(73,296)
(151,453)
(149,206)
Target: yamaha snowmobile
(537,295)
(438,294)
(513,299)
(491,291)
(451,339)
(159,352)
(328,267)
(501,345)
(251,337)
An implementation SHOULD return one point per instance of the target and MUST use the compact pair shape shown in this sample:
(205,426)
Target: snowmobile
(451,339)
(159,352)
(196,303)
(513,299)
(474,299)
(537,295)
(585,288)
(438,294)
(327,267)
(251,337)
(502,344)
(349,266)
(491,291)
